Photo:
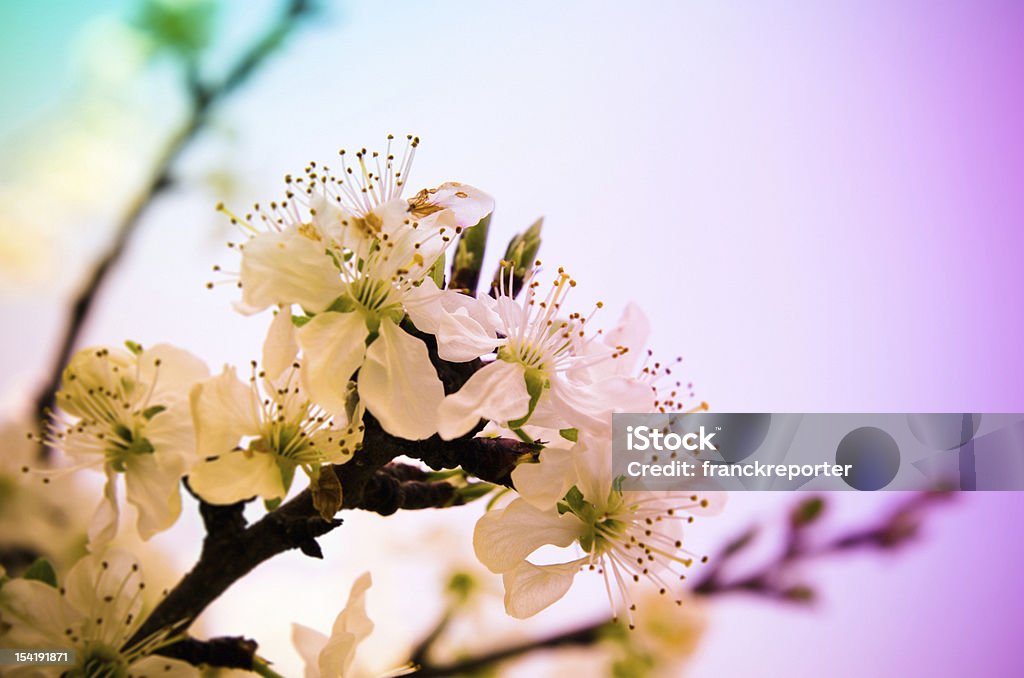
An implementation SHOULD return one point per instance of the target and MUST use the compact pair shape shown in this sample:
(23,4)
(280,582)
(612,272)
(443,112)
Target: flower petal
(497,392)
(544,484)
(399,384)
(460,338)
(530,588)
(103,526)
(333,346)
(280,346)
(165,667)
(152,487)
(287,267)
(106,583)
(504,538)
(309,643)
(235,476)
(224,411)
(37,614)
(171,372)
(351,627)
(465,204)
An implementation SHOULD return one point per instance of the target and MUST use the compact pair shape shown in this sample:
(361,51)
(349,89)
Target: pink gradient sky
(820,206)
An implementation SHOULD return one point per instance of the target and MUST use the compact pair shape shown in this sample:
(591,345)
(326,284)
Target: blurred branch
(773,580)
(583,636)
(896,528)
(202,99)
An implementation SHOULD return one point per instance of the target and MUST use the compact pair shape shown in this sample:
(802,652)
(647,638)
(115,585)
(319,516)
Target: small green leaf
(536,381)
(473,491)
(300,320)
(574,498)
(151,412)
(41,570)
(272,504)
(570,434)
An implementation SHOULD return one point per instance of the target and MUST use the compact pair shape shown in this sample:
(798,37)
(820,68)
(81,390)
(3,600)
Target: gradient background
(820,206)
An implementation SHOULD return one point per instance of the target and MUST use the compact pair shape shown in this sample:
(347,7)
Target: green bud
(42,570)
(469,256)
(806,512)
(520,256)
(181,27)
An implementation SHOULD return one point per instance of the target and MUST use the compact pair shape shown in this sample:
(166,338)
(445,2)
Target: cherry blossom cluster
(353,271)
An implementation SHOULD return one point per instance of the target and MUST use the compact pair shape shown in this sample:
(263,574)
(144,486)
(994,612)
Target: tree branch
(231,652)
(202,101)
(896,528)
(369,482)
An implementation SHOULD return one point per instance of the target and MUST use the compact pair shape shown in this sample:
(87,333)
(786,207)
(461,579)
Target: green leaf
(261,667)
(570,434)
(536,381)
(151,412)
(300,320)
(271,504)
(574,498)
(473,491)
(41,570)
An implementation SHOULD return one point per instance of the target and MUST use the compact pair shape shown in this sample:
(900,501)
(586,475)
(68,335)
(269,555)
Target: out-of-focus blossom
(126,413)
(333,657)
(95,611)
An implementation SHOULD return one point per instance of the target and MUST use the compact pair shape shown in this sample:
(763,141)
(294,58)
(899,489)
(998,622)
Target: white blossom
(538,376)
(127,414)
(332,657)
(255,435)
(95,612)
(351,252)
(625,536)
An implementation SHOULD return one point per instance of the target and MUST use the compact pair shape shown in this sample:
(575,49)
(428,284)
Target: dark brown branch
(202,100)
(230,652)
(369,481)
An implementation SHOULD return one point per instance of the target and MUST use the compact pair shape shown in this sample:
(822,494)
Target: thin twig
(896,528)
(160,179)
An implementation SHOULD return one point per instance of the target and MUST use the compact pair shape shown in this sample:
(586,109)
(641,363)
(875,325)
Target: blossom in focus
(539,375)
(255,435)
(127,413)
(625,536)
(333,657)
(95,612)
(351,253)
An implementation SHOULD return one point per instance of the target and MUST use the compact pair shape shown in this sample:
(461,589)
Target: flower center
(99,661)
